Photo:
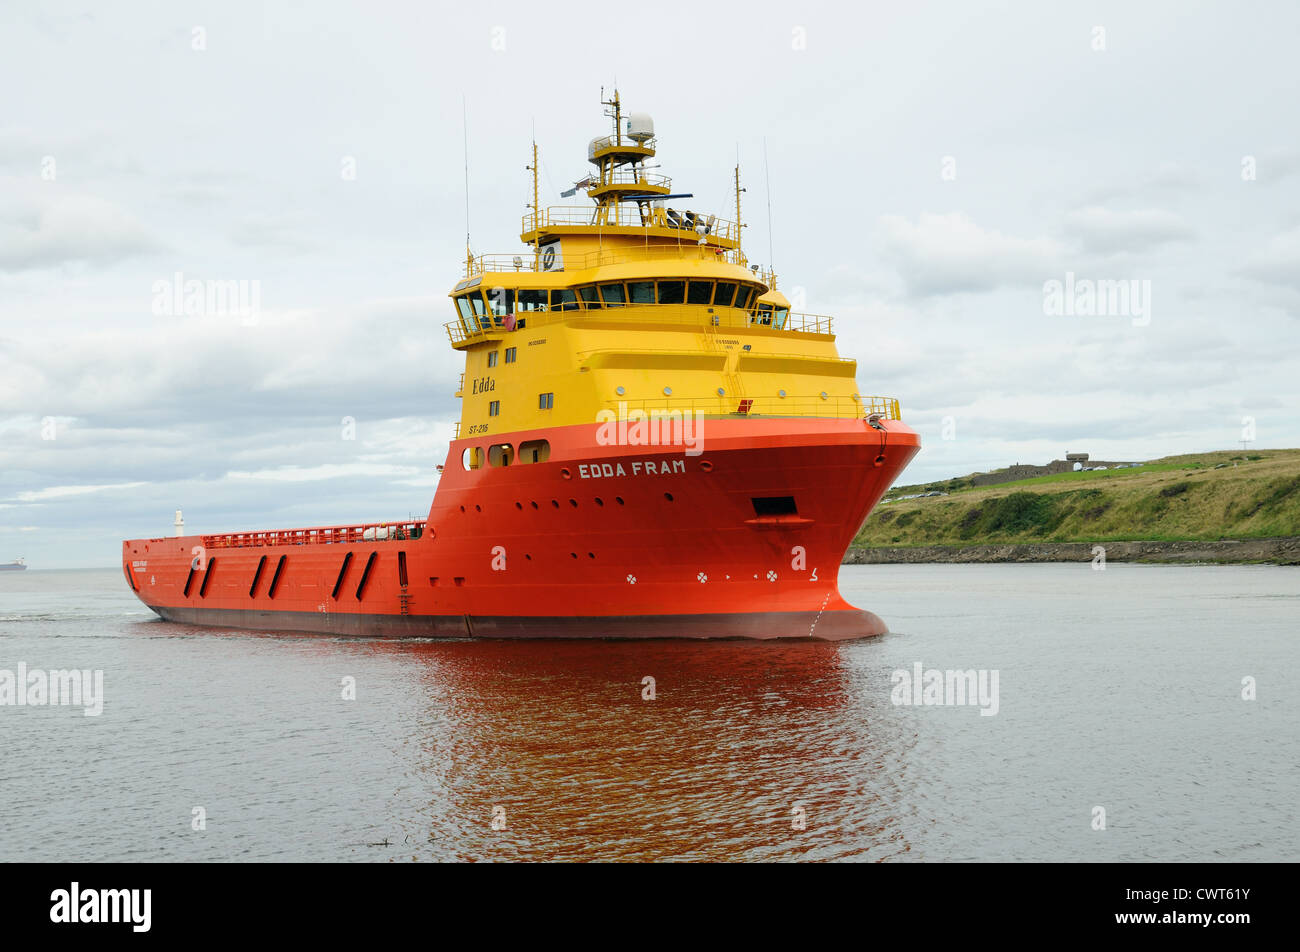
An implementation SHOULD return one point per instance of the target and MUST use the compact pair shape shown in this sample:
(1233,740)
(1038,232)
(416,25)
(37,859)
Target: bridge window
(545,401)
(500,454)
(472,309)
(746,296)
(502,301)
(641,292)
(530,300)
(700,292)
(723,297)
(590,296)
(672,292)
(613,294)
(534,451)
(565,299)
(494,408)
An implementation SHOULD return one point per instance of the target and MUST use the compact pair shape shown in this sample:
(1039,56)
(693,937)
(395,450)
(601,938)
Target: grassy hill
(1202,497)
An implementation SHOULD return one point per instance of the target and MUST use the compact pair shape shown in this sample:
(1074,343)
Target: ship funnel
(179,524)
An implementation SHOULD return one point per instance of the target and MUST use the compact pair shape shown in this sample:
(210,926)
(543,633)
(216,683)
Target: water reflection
(739,734)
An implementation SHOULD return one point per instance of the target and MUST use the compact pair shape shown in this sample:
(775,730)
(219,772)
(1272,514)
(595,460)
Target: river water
(1118,690)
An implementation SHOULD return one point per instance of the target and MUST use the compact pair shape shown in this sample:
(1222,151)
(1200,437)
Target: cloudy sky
(932,166)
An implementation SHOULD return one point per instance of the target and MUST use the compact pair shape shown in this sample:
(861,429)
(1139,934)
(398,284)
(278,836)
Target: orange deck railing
(319,535)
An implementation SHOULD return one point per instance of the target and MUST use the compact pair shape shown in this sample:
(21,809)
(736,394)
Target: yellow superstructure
(636,304)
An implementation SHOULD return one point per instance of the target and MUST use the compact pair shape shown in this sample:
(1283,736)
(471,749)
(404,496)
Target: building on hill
(1072,461)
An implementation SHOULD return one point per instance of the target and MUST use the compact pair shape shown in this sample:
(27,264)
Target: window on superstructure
(612,294)
(672,292)
(500,454)
(494,408)
(545,401)
(700,292)
(641,292)
(564,299)
(502,301)
(530,300)
(492,358)
(782,315)
(725,293)
(590,296)
(477,310)
(745,297)
(511,353)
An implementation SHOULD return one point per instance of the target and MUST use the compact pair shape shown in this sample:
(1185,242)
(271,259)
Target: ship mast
(537,240)
(739,253)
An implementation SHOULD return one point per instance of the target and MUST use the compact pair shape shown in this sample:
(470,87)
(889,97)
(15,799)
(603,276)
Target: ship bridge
(637,300)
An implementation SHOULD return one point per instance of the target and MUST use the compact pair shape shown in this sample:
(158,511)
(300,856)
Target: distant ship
(651,445)
(17,565)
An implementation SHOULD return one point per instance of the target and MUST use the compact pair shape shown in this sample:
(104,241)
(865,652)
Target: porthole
(555,503)
(721,392)
(823,394)
(533,504)
(519,505)
(706,466)
(591,555)
(573,503)
(781,393)
(620,391)
(566,474)
(573,554)
(619,500)
(599,501)
(478,508)
(668,391)
(668,496)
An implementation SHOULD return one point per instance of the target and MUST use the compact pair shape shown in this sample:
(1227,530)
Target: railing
(604,142)
(630,216)
(326,535)
(531,261)
(764,406)
(634,177)
(694,316)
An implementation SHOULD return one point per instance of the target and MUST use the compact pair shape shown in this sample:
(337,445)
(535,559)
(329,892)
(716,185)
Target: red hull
(669,545)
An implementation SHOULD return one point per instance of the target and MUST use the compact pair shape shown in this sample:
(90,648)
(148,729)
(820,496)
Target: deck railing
(319,535)
(531,261)
(764,406)
(630,215)
(634,177)
(689,315)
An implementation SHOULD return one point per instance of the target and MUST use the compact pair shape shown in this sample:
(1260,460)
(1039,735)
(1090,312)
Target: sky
(932,168)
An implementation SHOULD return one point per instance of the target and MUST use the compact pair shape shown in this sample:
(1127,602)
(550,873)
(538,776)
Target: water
(1118,689)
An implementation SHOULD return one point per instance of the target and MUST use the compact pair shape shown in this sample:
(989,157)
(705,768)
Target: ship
(652,444)
(17,565)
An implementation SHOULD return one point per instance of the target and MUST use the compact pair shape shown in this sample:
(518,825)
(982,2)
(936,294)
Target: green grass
(1173,499)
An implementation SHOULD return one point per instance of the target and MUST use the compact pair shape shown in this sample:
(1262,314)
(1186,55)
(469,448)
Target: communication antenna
(464,118)
(767,184)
